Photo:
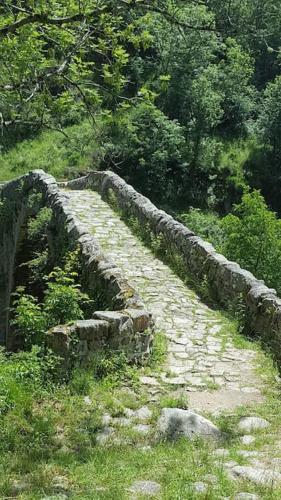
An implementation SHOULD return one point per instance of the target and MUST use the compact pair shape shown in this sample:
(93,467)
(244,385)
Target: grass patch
(158,351)
(63,156)
(174,401)
(48,437)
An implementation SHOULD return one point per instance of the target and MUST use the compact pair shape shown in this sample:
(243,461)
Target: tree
(62,60)
(256,27)
(264,167)
(236,69)
(270,119)
(147,149)
(253,238)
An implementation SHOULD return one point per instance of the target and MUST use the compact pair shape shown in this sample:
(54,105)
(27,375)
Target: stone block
(92,329)
(114,318)
(83,348)
(58,339)
(141,319)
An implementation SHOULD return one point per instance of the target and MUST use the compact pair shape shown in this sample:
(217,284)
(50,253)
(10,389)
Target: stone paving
(202,359)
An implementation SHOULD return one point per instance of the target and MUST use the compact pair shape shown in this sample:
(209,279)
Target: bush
(63,298)
(207,225)
(253,238)
(37,227)
(30,321)
(63,302)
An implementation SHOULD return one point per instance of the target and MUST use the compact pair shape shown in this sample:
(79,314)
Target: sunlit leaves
(86,60)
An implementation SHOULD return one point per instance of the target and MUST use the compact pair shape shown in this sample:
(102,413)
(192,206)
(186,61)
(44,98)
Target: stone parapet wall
(128,331)
(228,283)
(98,271)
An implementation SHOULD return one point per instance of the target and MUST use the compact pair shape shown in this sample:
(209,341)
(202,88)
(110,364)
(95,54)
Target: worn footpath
(202,359)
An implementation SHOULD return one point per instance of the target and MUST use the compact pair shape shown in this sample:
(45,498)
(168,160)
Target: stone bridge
(142,292)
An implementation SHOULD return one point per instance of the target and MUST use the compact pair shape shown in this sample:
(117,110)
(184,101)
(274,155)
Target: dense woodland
(181,98)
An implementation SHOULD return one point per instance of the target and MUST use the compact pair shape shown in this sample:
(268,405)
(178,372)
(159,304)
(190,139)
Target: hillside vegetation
(181,98)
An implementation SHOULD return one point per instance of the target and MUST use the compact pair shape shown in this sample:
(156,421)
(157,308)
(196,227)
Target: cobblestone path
(202,359)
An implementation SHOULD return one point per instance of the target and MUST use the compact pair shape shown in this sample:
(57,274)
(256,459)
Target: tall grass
(63,155)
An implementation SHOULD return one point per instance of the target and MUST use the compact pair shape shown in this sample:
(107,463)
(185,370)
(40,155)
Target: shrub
(30,321)
(63,298)
(37,227)
(207,225)
(63,302)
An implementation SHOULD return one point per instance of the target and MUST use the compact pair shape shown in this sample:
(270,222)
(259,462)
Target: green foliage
(56,68)
(263,167)
(250,235)
(60,155)
(239,96)
(269,119)
(33,410)
(63,298)
(154,161)
(109,364)
(113,368)
(63,302)
(158,350)
(253,238)
(24,374)
(207,225)
(180,401)
(37,227)
(30,321)
(37,266)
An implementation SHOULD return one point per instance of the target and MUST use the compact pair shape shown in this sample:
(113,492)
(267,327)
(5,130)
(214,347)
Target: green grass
(48,431)
(48,435)
(63,156)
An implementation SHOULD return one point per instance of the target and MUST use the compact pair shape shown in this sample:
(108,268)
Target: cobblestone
(197,350)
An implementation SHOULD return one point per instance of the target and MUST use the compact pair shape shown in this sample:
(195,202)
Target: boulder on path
(246,496)
(249,424)
(147,488)
(174,423)
(263,477)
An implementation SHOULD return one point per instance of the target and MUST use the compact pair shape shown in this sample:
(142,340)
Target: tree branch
(40,18)
(171,18)
(59,21)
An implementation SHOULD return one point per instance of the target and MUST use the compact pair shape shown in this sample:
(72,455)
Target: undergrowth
(63,155)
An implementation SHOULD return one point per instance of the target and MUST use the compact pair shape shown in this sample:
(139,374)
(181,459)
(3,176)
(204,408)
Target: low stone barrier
(128,331)
(133,336)
(227,281)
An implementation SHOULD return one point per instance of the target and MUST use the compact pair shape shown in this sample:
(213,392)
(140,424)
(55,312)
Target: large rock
(175,423)
(246,496)
(141,319)
(263,477)
(249,424)
(146,488)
